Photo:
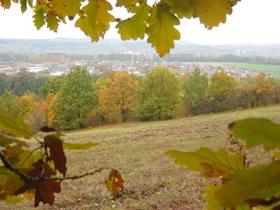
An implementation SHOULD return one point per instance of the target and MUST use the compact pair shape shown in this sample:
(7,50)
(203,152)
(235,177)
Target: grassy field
(152,180)
(273,70)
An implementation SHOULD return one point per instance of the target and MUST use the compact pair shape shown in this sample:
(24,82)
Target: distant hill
(114,46)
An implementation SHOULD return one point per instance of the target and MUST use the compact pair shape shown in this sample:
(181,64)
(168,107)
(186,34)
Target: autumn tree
(195,89)
(276,91)
(220,86)
(24,82)
(158,95)
(29,108)
(12,105)
(52,85)
(37,111)
(124,88)
(75,99)
(262,85)
(49,111)
(107,109)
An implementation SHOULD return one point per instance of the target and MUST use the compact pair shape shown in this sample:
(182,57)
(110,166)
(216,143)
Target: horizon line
(142,40)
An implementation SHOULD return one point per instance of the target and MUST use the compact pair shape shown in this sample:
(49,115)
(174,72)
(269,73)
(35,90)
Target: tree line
(79,100)
(21,83)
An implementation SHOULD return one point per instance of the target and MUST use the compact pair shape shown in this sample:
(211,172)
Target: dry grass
(137,149)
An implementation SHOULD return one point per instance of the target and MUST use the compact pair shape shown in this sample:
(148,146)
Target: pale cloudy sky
(253,21)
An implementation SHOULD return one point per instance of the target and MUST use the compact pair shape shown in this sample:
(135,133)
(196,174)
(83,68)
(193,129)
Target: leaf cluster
(241,187)
(37,164)
(156,20)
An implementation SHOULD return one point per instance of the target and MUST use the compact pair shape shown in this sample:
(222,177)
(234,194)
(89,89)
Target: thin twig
(28,178)
(76,176)
(38,140)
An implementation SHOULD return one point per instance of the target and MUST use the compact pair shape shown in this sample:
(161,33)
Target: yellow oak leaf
(182,8)
(64,8)
(52,22)
(130,5)
(96,19)
(212,12)
(162,32)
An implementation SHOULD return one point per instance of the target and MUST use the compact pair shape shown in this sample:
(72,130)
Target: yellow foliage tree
(124,88)
(51,99)
(221,85)
(262,85)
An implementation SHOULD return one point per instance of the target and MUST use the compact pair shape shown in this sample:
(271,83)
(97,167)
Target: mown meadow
(152,180)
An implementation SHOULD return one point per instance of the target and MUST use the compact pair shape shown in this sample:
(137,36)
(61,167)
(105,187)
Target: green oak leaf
(30,3)
(210,163)
(52,22)
(23,5)
(182,8)
(7,140)
(257,131)
(14,126)
(257,183)
(21,158)
(135,26)
(212,203)
(39,17)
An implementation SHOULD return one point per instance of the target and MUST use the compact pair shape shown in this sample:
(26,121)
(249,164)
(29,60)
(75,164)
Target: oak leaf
(44,189)
(52,21)
(115,183)
(55,145)
(182,8)
(39,17)
(162,32)
(5,3)
(212,12)
(13,126)
(96,19)
(135,26)
(130,5)
(64,8)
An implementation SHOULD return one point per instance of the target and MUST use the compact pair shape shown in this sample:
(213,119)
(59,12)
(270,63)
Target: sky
(252,22)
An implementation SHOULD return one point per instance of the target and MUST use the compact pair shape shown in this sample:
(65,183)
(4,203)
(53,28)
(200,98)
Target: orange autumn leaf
(115,183)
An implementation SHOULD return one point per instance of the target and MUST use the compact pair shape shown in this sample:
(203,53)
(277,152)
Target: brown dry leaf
(44,189)
(115,183)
